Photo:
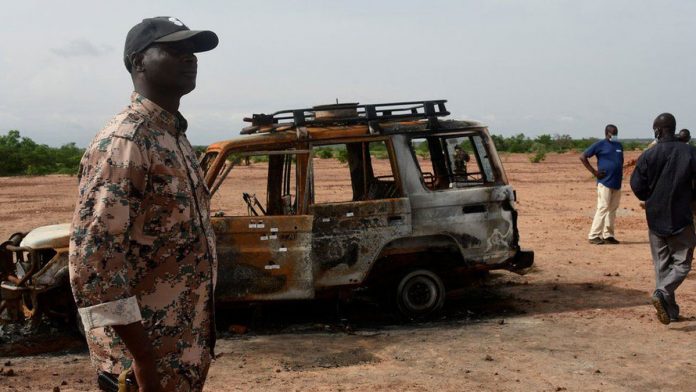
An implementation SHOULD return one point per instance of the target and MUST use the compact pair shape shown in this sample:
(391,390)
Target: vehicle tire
(419,294)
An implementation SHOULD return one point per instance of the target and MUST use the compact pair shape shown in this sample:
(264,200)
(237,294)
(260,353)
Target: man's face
(611,132)
(658,131)
(684,136)
(171,67)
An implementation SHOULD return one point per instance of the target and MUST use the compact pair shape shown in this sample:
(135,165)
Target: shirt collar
(175,124)
(667,138)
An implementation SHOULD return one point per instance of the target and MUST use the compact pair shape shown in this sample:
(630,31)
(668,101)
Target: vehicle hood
(48,237)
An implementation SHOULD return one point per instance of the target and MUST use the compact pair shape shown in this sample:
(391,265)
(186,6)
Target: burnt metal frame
(225,170)
(390,153)
(454,133)
(365,114)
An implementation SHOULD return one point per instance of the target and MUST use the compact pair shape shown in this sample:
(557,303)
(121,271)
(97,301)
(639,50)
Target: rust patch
(264,258)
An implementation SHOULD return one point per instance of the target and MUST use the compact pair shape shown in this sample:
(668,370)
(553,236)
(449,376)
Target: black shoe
(611,240)
(658,301)
(596,241)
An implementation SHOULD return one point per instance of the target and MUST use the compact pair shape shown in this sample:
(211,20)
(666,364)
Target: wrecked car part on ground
(34,276)
(409,204)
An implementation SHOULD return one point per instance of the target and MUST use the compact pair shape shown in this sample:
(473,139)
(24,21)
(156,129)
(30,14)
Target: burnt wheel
(419,294)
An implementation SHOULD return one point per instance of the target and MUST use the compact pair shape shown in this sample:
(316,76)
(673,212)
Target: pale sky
(532,66)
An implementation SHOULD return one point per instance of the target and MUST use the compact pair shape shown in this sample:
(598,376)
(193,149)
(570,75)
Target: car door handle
(474,209)
(395,219)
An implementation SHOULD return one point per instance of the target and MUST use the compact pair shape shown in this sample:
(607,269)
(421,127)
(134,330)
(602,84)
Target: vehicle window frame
(392,162)
(227,166)
(207,160)
(452,134)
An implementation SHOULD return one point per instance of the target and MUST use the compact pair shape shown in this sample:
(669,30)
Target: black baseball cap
(165,29)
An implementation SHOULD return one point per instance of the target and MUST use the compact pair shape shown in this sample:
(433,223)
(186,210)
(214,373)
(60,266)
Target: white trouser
(607,204)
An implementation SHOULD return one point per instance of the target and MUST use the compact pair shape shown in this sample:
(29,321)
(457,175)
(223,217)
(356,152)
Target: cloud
(81,47)
(489,118)
(566,119)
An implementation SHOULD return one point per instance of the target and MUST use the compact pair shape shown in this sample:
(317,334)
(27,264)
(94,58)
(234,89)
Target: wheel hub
(421,293)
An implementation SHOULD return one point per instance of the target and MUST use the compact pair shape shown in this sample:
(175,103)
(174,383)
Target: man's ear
(136,60)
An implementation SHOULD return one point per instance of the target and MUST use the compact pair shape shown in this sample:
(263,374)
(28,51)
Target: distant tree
(21,155)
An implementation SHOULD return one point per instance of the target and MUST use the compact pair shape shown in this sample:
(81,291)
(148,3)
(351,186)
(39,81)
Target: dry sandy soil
(580,321)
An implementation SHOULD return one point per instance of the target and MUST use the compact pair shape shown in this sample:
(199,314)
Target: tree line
(22,156)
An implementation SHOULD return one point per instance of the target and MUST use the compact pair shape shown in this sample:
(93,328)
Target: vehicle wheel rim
(420,294)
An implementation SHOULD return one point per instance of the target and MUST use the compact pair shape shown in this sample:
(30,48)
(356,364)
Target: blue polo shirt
(610,159)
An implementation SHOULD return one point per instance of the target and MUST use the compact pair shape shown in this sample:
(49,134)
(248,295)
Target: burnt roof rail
(348,113)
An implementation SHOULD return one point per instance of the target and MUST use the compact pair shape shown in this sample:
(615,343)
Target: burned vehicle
(34,276)
(392,197)
(320,202)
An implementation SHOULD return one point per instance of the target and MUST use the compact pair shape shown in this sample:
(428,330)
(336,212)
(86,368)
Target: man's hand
(144,366)
(588,166)
(147,376)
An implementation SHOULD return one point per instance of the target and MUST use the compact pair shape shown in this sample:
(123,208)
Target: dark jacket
(664,178)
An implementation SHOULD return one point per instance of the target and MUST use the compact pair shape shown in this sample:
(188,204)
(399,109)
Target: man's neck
(669,137)
(167,101)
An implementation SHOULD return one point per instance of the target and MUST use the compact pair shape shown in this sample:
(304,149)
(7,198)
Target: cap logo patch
(176,21)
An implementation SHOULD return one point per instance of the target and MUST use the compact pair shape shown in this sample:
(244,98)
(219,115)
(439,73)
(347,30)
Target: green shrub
(325,153)
(342,155)
(539,153)
(259,158)
(237,159)
(422,150)
(554,143)
(383,154)
(22,156)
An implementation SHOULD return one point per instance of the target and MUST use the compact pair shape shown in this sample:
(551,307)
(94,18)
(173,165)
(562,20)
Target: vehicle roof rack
(346,114)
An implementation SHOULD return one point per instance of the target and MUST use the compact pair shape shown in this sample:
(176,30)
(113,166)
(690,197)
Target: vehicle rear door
(358,207)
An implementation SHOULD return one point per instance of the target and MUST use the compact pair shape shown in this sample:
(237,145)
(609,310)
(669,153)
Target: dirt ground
(580,321)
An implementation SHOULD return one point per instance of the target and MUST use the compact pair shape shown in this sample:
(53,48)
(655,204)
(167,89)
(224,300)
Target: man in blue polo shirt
(609,172)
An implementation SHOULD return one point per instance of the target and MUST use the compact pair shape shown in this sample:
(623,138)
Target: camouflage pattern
(141,236)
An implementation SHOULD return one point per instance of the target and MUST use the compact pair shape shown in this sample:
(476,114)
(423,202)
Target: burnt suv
(322,201)
(391,196)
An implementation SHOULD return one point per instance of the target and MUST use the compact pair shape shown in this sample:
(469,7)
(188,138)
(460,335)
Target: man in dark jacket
(663,178)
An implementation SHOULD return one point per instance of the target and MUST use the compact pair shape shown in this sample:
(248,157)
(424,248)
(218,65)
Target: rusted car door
(348,236)
(264,256)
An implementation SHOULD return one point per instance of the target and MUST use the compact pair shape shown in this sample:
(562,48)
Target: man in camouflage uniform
(142,250)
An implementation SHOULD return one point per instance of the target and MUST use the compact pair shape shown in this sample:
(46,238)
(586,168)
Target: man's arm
(138,343)
(639,180)
(588,166)
(111,193)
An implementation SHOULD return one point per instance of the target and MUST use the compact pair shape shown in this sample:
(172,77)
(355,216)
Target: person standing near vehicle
(461,158)
(609,174)
(684,136)
(664,178)
(142,249)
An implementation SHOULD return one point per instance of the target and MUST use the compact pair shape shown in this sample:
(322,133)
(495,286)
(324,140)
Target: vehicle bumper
(521,262)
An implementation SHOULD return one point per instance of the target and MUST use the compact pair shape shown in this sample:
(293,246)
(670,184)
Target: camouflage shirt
(142,248)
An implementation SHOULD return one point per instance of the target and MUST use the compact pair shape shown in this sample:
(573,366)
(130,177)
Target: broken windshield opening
(256,184)
(448,162)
